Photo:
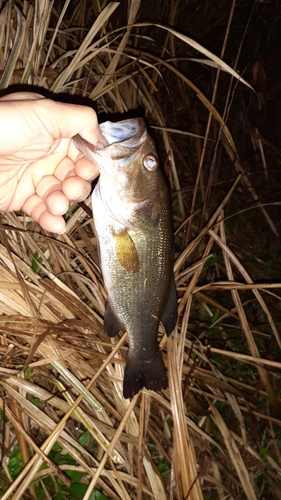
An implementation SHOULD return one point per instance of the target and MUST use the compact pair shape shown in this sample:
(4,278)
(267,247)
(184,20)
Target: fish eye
(150,162)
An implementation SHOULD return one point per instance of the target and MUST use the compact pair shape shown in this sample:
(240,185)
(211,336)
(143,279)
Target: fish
(133,224)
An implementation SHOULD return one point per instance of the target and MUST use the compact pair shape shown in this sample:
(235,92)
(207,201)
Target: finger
(45,168)
(66,120)
(52,223)
(76,189)
(82,168)
(65,169)
(21,96)
(86,169)
(57,203)
(36,208)
(57,195)
(47,185)
(69,119)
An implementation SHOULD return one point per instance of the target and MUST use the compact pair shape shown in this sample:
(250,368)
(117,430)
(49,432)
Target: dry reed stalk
(61,377)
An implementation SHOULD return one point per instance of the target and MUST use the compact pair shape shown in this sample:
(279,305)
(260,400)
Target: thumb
(62,120)
(68,120)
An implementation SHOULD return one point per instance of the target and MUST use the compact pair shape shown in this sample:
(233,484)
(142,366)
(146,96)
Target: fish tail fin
(140,373)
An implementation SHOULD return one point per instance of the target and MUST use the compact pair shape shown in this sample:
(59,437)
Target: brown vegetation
(215,433)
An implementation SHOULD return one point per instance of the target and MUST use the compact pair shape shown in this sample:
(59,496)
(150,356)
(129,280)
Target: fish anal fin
(126,251)
(140,373)
(170,313)
(112,324)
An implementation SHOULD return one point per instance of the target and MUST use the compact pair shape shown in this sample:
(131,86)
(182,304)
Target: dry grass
(215,433)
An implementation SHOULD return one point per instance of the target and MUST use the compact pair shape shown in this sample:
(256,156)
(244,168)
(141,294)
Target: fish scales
(131,210)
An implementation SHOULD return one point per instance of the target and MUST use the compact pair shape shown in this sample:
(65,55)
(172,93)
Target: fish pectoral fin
(170,313)
(112,324)
(126,251)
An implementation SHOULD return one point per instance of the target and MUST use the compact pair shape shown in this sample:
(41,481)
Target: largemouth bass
(131,210)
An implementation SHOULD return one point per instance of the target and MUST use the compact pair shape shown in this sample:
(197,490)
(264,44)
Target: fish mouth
(120,142)
(127,132)
(125,141)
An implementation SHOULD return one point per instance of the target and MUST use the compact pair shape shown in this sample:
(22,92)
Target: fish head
(130,178)
(130,163)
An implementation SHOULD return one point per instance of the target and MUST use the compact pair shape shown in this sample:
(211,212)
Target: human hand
(41,170)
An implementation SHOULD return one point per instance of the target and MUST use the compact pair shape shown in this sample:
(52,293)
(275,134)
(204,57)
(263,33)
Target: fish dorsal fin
(126,252)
